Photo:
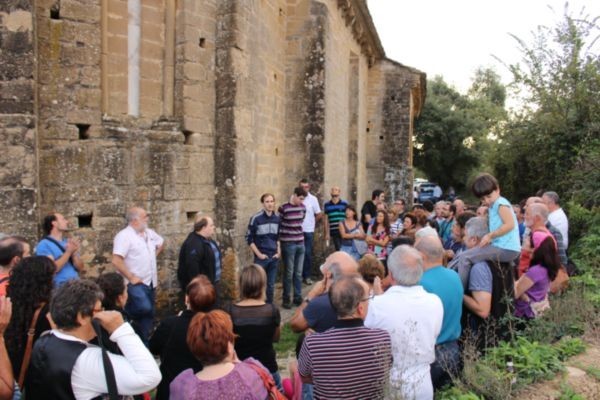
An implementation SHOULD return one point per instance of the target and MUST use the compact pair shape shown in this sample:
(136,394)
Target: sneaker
(286,305)
(297,302)
(308,281)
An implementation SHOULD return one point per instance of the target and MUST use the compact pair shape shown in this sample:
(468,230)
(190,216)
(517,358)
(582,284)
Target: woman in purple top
(531,290)
(210,338)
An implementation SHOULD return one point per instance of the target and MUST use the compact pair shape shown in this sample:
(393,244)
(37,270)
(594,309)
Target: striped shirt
(348,361)
(335,212)
(290,224)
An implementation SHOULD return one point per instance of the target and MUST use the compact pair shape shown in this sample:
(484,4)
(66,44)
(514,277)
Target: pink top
(241,383)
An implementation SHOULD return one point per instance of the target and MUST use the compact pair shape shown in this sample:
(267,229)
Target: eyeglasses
(368,298)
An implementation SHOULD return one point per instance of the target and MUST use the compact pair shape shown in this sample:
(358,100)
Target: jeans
(140,308)
(446,364)
(308,249)
(277,380)
(293,257)
(351,250)
(270,266)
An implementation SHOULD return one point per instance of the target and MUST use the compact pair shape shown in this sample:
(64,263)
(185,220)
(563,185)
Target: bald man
(335,210)
(135,250)
(316,312)
(444,283)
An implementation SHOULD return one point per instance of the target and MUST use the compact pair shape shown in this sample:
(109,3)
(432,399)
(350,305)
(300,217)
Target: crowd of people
(397,298)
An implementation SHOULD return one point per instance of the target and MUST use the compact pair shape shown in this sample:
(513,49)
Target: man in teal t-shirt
(445,284)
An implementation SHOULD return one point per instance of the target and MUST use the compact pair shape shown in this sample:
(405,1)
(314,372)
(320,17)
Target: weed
(567,393)
(287,342)
(569,347)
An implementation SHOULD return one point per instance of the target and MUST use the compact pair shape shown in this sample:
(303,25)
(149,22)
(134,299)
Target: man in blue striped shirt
(335,209)
(262,237)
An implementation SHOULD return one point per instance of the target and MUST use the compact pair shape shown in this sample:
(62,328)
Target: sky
(453,37)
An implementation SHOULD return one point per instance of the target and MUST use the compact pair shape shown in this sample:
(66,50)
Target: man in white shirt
(134,255)
(413,319)
(313,215)
(65,365)
(557,216)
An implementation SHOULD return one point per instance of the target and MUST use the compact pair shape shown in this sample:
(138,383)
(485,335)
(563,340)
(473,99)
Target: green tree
(451,133)
(547,144)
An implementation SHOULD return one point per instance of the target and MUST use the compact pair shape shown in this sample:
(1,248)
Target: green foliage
(581,219)
(287,342)
(553,143)
(455,393)
(569,347)
(450,134)
(567,393)
(532,360)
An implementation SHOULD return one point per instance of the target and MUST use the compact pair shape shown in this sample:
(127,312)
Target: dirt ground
(575,376)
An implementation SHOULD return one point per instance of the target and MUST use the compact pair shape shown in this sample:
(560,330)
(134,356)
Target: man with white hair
(413,318)
(460,206)
(134,255)
(557,216)
(536,219)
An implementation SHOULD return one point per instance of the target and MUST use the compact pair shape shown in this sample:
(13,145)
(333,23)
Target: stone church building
(187,106)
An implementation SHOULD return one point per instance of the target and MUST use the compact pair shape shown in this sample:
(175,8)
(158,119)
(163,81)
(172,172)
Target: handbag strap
(266,378)
(109,372)
(29,345)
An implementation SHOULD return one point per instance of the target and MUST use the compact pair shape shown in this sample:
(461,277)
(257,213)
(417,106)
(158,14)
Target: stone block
(152,51)
(83,116)
(75,10)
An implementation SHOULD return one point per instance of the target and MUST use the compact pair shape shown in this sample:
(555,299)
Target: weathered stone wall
(393,104)
(236,98)
(18,164)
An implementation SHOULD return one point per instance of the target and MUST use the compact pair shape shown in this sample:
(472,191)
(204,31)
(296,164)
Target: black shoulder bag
(109,372)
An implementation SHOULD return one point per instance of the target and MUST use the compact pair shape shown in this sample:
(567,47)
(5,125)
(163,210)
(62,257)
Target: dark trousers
(446,364)
(308,250)
(336,239)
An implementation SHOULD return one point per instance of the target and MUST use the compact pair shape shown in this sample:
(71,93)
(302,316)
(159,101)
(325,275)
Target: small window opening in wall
(84,131)
(80,44)
(368,130)
(85,220)
(275,76)
(55,12)
(380,137)
(188,137)
(191,215)
(202,42)
(280,11)
(393,98)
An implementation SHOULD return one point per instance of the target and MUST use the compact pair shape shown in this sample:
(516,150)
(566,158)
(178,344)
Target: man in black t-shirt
(369,209)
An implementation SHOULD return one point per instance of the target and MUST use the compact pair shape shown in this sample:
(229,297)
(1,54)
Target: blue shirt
(217,254)
(263,231)
(335,212)
(46,248)
(446,284)
(510,240)
(319,314)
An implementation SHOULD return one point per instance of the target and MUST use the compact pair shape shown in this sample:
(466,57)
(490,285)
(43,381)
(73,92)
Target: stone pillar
(18,138)
(391,113)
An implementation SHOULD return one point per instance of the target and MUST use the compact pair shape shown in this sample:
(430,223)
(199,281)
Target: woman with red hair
(210,338)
